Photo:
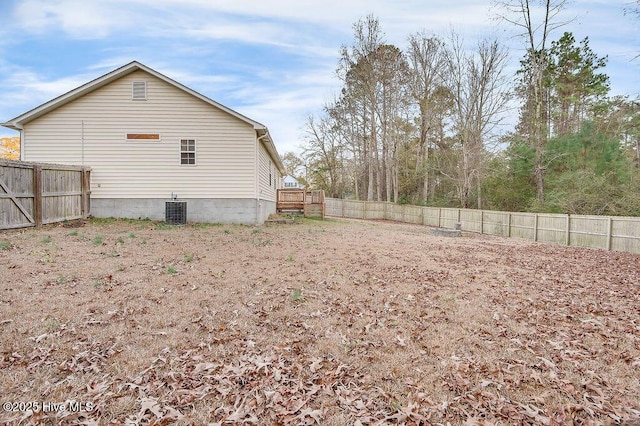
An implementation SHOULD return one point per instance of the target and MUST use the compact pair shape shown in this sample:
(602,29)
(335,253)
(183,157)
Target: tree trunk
(424,143)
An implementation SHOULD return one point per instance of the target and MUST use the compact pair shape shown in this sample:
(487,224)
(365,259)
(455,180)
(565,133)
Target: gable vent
(139,90)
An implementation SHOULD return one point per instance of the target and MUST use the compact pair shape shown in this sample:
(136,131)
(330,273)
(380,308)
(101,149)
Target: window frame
(188,151)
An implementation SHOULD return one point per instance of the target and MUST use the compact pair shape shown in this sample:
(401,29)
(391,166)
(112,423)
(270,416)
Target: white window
(187,151)
(139,90)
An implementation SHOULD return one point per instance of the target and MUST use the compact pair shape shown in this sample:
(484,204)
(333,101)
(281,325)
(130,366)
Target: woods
(433,123)
(10,148)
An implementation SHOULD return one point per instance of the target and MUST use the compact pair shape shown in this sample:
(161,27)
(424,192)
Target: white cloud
(293,45)
(79,18)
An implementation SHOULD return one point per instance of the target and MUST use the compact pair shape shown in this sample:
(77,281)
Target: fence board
(449,217)
(375,210)
(431,216)
(552,228)
(354,209)
(33,194)
(496,223)
(334,207)
(412,214)
(471,220)
(523,225)
(602,232)
(395,212)
(588,231)
(625,234)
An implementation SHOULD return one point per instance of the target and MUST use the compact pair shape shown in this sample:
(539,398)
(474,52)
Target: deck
(301,201)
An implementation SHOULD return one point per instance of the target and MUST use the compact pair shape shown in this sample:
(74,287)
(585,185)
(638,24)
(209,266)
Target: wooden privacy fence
(33,194)
(603,232)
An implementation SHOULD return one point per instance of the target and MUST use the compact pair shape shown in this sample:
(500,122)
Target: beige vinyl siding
(266,166)
(121,168)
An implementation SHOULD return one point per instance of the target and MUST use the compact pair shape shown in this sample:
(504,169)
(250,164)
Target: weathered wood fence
(33,194)
(308,202)
(603,232)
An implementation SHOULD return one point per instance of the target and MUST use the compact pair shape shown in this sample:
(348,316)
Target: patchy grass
(374,323)
(296,295)
(164,226)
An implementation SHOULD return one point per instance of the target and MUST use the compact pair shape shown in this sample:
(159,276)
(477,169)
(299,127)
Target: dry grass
(330,322)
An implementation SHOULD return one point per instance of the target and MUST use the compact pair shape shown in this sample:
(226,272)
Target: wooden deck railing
(307,202)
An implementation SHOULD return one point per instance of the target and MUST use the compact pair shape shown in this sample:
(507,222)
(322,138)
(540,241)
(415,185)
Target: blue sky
(273,61)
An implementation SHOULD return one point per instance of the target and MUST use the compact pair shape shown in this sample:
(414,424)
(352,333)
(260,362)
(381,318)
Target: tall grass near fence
(601,232)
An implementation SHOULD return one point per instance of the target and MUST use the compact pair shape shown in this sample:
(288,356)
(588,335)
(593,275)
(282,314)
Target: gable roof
(18,122)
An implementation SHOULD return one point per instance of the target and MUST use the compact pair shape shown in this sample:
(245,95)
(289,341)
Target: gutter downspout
(258,177)
(21,144)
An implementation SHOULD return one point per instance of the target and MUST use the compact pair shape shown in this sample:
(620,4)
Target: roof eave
(11,125)
(71,95)
(18,122)
(263,133)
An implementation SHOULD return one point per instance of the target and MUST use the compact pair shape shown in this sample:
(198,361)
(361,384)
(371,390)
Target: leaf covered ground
(321,322)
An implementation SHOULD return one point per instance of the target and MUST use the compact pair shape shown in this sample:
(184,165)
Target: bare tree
(357,70)
(372,101)
(426,59)
(480,95)
(324,155)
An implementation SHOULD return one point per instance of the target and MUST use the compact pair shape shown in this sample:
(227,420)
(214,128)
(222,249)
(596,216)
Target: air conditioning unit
(175,212)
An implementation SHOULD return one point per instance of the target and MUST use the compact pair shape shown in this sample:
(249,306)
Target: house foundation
(201,210)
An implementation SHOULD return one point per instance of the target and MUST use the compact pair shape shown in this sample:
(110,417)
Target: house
(147,137)
(289,182)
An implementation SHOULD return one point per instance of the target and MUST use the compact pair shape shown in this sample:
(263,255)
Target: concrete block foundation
(200,210)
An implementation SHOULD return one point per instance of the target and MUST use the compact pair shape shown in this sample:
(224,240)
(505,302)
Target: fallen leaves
(389,331)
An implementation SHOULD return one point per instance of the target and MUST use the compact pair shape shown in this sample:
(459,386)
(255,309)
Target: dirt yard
(320,322)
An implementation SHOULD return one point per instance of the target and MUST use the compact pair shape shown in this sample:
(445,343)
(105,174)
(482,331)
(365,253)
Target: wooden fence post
(535,227)
(481,221)
(509,224)
(86,193)
(37,194)
(568,231)
(609,232)
(439,215)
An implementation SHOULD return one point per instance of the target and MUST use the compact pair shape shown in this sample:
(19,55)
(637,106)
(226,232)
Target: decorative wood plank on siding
(225,146)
